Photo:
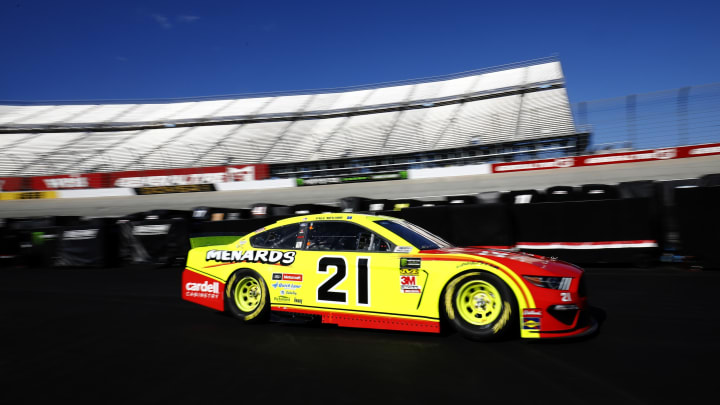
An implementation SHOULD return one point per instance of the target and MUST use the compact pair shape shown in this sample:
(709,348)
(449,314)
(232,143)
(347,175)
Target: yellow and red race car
(380,272)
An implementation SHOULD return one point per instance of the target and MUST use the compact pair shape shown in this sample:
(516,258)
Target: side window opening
(283,237)
(344,236)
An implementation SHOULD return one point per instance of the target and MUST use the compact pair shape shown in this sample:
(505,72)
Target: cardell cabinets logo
(203,291)
(204,287)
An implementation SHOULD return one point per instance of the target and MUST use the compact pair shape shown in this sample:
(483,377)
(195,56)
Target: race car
(380,272)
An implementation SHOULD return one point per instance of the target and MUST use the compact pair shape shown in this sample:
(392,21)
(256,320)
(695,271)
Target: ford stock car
(368,271)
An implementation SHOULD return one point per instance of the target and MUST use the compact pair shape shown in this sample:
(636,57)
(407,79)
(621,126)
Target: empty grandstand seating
(508,104)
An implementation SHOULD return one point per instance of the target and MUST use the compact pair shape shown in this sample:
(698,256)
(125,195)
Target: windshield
(415,235)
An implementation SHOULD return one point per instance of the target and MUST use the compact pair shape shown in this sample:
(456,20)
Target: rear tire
(246,296)
(480,306)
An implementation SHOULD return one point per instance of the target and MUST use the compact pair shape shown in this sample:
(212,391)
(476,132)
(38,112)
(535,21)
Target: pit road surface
(124,336)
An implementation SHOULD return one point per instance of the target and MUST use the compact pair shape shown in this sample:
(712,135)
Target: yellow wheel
(246,296)
(478,302)
(480,306)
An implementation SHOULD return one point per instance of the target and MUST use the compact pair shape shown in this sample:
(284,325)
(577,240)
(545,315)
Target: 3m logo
(408,284)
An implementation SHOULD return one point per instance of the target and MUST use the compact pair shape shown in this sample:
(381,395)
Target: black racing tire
(246,296)
(480,306)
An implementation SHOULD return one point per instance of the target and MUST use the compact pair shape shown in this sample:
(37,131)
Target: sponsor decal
(282,298)
(532,318)
(202,290)
(659,154)
(251,256)
(324,218)
(710,150)
(28,195)
(408,284)
(204,287)
(147,230)
(66,182)
(189,188)
(410,262)
(258,211)
(286,285)
(80,234)
(353,179)
(183,177)
(409,272)
(537,165)
(403,249)
(288,277)
(297,300)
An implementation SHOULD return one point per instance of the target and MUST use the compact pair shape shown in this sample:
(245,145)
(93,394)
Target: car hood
(520,262)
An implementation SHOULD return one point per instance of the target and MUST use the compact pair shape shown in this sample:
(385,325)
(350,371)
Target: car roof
(331,216)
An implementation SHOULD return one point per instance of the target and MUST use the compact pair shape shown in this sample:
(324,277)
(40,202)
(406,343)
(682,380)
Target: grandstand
(477,116)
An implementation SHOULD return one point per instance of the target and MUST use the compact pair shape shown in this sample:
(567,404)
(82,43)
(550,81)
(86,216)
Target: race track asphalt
(123,336)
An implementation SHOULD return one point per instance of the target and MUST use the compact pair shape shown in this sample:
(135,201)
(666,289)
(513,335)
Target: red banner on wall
(12,183)
(610,158)
(139,178)
(67,181)
(181,177)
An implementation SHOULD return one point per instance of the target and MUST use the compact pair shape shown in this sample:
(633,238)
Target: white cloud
(162,20)
(187,18)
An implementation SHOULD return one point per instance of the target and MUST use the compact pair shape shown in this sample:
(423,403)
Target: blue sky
(85,50)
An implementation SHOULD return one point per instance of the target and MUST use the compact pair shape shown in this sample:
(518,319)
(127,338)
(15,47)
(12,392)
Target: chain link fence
(684,116)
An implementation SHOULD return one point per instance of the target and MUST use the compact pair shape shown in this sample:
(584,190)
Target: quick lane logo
(286,285)
(251,256)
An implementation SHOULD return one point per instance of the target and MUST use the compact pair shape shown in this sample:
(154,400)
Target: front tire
(246,296)
(480,306)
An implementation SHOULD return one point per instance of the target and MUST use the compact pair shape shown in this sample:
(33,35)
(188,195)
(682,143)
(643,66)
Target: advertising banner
(11,183)
(353,179)
(183,177)
(67,181)
(610,158)
(139,178)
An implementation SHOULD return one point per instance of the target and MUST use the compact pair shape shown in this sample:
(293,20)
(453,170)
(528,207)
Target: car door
(349,268)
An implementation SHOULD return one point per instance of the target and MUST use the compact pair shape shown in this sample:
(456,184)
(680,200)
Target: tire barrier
(628,223)
(583,232)
(160,242)
(33,241)
(698,223)
(92,243)
(562,193)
